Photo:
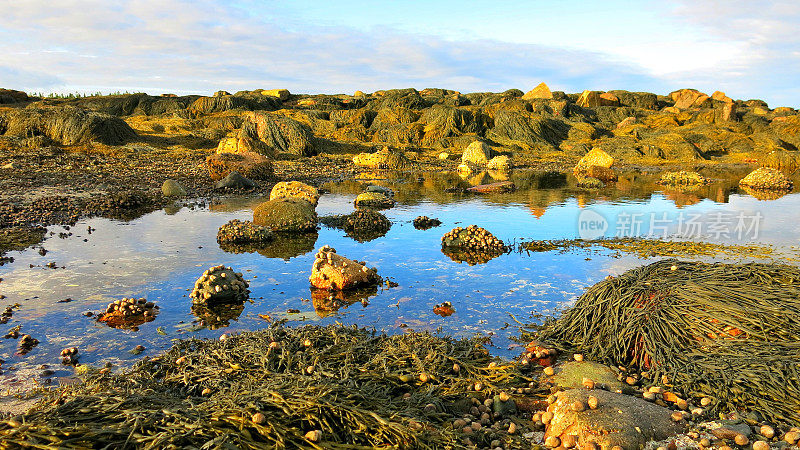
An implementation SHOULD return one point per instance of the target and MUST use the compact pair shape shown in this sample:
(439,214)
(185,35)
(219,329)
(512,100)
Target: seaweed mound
(286,214)
(362,224)
(68,126)
(767,179)
(283,134)
(683,178)
(300,387)
(726,331)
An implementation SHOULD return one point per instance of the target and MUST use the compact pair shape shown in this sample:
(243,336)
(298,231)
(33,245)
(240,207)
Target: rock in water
(683,178)
(473,245)
(477,153)
(128,312)
(767,179)
(594,157)
(286,214)
(172,188)
(335,272)
(494,188)
(295,189)
(220,284)
(603,174)
(622,420)
(425,222)
(362,224)
(540,91)
(243,232)
(234,181)
(376,200)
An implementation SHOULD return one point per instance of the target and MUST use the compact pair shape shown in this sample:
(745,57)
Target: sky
(746,48)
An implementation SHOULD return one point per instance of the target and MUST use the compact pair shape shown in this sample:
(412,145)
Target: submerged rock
(335,272)
(296,190)
(220,284)
(618,420)
(243,232)
(494,188)
(286,215)
(767,179)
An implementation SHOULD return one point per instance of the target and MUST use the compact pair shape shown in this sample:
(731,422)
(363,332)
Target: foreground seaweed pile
(331,387)
(726,331)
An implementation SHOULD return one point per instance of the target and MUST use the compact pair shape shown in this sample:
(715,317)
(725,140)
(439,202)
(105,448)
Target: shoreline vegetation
(670,354)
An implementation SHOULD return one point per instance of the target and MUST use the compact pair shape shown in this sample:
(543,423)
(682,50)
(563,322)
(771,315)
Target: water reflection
(327,302)
(217,316)
(284,246)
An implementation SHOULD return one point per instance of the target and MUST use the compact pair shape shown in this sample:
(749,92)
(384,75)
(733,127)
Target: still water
(159,256)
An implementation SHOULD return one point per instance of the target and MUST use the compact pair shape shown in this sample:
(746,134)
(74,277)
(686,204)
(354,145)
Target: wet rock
(493,188)
(683,178)
(362,225)
(767,179)
(375,200)
(540,91)
(619,420)
(444,309)
(477,154)
(220,284)
(243,232)
(26,344)
(571,374)
(595,157)
(128,312)
(425,222)
(248,164)
(502,163)
(281,94)
(172,188)
(335,272)
(286,215)
(383,159)
(296,190)
(234,181)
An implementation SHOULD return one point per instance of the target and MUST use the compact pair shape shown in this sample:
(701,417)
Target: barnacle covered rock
(243,232)
(766,178)
(425,222)
(473,245)
(376,200)
(362,224)
(128,312)
(295,189)
(220,284)
(335,272)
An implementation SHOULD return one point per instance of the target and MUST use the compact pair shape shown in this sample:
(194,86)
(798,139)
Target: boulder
(234,180)
(244,144)
(220,284)
(287,215)
(540,91)
(501,162)
(689,98)
(295,189)
(476,153)
(376,200)
(593,99)
(281,94)
(619,420)
(172,188)
(767,179)
(335,272)
(720,96)
(281,133)
(249,164)
(570,375)
(243,232)
(595,157)
(385,158)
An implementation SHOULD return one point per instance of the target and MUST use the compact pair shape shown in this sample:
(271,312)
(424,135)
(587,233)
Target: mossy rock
(767,179)
(476,153)
(571,374)
(286,215)
(683,178)
(295,189)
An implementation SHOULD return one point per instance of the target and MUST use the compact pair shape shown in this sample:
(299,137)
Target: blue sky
(748,49)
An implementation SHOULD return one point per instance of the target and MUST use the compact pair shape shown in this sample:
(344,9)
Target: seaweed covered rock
(281,133)
(595,157)
(713,347)
(128,312)
(220,284)
(477,153)
(248,164)
(335,272)
(362,224)
(683,178)
(618,420)
(385,158)
(68,125)
(12,96)
(472,244)
(287,215)
(377,200)
(295,189)
(781,160)
(243,232)
(589,183)
(526,130)
(227,102)
(767,179)
(425,222)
